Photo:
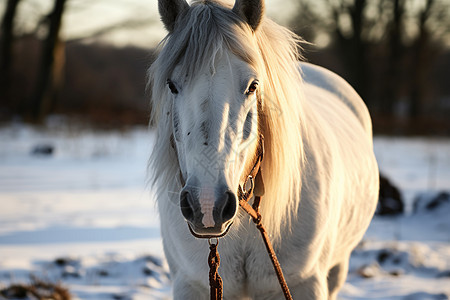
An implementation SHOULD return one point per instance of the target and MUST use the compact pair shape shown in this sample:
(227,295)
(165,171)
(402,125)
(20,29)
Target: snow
(84,215)
(415,164)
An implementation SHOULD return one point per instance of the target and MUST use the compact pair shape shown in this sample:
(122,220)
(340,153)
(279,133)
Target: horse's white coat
(320,174)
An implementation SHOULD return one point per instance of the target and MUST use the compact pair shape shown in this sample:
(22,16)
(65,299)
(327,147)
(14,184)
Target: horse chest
(245,265)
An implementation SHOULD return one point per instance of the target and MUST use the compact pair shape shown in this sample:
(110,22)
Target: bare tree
(347,25)
(382,56)
(395,57)
(44,94)
(424,52)
(6,46)
(352,45)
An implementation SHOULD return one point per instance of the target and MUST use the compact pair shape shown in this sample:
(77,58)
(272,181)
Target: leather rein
(256,190)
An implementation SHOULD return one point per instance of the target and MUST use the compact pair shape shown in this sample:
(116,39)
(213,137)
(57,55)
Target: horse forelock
(203,32)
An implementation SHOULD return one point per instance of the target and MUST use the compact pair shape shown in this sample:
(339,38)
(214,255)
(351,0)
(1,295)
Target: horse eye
(252,88)
(172,86)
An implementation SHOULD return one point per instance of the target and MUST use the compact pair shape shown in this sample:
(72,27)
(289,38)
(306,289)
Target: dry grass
(36,290)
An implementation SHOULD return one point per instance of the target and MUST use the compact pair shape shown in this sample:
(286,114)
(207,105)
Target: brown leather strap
(215,281)
(257,190)
(256,216)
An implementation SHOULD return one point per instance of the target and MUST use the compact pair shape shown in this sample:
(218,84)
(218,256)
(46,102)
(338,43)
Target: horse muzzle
(209,211)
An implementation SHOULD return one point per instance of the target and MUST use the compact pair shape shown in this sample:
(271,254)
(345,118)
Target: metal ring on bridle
(211,243)
(252,184)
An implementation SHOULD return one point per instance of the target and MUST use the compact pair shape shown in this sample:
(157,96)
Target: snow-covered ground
(84,216)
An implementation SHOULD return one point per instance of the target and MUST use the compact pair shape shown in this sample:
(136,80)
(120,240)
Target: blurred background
(88,59)
(75,204)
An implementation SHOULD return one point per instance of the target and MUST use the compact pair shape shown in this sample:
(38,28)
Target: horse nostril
(229,208)
(185,204)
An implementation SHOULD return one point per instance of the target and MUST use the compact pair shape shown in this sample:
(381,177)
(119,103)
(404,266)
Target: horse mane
(202,32)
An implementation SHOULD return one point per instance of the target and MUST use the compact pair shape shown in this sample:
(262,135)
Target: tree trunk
(6,48)
(359,49)
(353,49)
(44,96)
(393,82)
(422,63)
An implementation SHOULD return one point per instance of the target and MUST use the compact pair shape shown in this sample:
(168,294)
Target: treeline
(43,74)
(105,85)
(395,53)
(100,83)
(431,117)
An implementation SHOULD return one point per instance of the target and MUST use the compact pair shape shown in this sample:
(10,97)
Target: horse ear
(169,10)
(251,11)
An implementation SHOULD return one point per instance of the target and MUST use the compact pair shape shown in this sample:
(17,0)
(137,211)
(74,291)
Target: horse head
(215,96)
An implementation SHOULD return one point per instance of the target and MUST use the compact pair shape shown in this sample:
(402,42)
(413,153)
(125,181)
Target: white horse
(225,74)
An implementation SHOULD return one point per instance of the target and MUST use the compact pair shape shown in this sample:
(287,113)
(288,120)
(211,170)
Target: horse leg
(336,278)
(313,288)
(185,290)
